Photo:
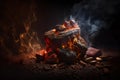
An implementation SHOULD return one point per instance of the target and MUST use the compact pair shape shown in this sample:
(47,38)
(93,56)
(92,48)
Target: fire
(29,41)
(62,42)
(64,39)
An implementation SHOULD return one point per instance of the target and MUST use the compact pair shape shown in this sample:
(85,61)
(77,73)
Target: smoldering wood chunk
(93,52)
(66,41)
(55,39)
(51,58)
(80,48)
(54,34)
(66,56)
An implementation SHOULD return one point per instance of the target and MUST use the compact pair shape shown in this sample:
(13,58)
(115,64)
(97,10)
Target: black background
(48,14)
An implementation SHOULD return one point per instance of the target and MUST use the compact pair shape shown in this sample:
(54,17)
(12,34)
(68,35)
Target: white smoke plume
(97,20)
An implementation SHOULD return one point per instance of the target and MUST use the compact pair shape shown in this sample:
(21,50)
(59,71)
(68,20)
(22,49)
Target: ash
(100,68)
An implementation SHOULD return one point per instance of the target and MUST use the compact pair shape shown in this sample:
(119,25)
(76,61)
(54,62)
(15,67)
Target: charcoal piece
(39,58)
(93,62)
(67,56)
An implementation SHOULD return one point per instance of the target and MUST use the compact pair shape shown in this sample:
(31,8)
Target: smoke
(99,21)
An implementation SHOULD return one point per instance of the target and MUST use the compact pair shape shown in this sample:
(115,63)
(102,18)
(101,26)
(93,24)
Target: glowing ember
(65,39)
(42,52)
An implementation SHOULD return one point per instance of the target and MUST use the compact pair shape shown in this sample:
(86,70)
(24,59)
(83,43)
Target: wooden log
(66,40)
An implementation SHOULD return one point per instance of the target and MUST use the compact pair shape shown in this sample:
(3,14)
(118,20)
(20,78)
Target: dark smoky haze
(99,22)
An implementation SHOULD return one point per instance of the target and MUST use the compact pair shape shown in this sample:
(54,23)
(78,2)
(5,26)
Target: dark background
(48,13)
